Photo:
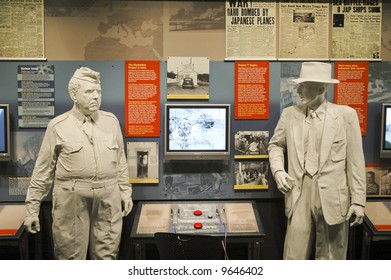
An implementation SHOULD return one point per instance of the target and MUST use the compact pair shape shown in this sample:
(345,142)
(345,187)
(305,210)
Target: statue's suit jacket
(341,173)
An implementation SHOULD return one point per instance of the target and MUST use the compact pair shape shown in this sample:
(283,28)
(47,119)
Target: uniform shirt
(68,153)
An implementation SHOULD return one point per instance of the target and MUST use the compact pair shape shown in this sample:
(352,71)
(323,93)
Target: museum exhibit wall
(69,45)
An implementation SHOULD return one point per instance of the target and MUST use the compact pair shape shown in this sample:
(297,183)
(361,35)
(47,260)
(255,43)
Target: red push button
(198,225)
(197,212)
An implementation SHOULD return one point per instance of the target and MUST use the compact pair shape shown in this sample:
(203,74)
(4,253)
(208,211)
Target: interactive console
(238,220)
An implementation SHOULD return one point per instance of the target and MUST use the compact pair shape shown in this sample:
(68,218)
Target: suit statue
(319,203)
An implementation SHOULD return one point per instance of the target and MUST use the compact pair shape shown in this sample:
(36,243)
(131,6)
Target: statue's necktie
(312,155)
(88,128)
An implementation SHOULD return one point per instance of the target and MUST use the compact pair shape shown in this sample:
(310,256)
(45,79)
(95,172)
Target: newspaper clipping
(356,31)
(304,30)
(21,29)
(250,29)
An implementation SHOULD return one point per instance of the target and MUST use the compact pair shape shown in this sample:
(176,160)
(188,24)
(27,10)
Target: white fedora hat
(316,72)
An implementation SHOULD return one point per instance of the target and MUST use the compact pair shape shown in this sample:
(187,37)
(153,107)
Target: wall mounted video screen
(385,136)
(5,149)
(197,132)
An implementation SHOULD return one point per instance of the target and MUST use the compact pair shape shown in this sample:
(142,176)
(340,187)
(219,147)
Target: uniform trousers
(87,217)
(307,225)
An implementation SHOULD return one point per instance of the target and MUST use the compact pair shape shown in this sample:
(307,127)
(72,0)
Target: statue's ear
(73,96)
(323,88)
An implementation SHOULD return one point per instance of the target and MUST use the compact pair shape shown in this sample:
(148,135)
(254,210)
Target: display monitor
(5,145)
(385,136)
(197,131)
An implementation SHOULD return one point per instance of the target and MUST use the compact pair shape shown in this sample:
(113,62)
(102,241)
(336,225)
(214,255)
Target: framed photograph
(143,162)
(251,144)
(378,181)
(188,78)
(195,185)
(251,175)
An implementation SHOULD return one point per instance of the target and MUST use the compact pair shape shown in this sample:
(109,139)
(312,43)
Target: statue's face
(88,97)
(310,92)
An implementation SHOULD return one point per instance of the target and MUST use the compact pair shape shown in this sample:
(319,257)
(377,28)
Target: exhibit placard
(142,98)
(35,95)
(353,88)
(252,90)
